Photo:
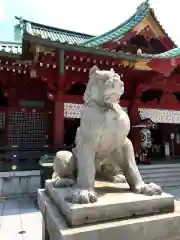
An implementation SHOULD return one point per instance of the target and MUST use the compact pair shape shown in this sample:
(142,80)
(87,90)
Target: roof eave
(76,48)
(174,53)
(9,55)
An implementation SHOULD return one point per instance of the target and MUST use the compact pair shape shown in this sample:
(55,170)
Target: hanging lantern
(33,73)
(73,68)
(54,65)
(84,70)
(6,62)
(41,64)
(14,167)
(79,69)
(88,60)
(145,138)
(13,70)
(8,69)
(67,67)
(67,57)
(101,62)
(47,65)
(94,61)
(173,62)
(81,59)
(74,57)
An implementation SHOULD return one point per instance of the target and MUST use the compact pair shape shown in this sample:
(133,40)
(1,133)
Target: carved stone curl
(101,142)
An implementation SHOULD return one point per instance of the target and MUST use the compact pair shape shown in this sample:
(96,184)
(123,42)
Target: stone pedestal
(115,202)
(119,214)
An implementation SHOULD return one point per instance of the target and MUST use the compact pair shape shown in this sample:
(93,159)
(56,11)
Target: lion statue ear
(93,70)
(112,70)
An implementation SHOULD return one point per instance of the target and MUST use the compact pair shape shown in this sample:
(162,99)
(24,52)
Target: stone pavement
(20,219)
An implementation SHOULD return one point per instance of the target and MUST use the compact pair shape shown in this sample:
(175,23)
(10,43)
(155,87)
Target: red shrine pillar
(58,124)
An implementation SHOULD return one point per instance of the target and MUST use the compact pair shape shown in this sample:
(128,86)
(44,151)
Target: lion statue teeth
(101,143)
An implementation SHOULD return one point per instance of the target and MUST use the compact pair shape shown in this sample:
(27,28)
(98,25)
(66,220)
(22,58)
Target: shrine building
(43,76)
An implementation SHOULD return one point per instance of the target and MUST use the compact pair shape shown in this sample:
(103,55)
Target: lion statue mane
(101,141)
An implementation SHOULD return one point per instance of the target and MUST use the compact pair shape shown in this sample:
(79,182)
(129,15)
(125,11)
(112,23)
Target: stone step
(161,175)
(159,166)
(159,179)
(168,184)
(159,170)
(165,175)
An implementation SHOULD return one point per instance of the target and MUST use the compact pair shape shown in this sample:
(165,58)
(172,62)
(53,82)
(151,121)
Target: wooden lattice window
(27,128)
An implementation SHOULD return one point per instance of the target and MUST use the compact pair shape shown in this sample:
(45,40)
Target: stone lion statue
(101,140)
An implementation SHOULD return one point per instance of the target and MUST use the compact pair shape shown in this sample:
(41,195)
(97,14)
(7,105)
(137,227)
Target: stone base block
(115,202)
(156,227)
(17,183)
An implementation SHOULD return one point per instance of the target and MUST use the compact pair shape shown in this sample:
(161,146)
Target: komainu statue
(101,143)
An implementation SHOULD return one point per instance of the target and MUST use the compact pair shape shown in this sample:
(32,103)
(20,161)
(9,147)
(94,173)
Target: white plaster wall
(19,183)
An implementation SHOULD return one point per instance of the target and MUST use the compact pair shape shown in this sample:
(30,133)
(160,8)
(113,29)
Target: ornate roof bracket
(160,115)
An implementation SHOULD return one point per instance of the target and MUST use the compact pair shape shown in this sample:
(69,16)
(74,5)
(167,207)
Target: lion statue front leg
(131,171)
(84,191)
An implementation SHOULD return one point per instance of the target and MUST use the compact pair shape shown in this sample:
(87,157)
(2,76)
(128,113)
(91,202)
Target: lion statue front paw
(82,196)
(148,189)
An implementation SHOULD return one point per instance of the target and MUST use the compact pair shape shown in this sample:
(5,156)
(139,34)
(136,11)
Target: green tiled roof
(52,33)
(122,29)
(11,47)
(173,53)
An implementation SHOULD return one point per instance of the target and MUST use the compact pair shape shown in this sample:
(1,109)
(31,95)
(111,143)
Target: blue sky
(93,17)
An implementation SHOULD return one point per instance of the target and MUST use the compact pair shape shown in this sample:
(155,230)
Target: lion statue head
(104,87)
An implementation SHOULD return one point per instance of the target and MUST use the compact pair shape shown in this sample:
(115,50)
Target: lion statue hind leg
(64,169)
